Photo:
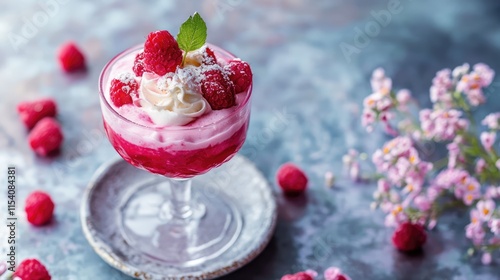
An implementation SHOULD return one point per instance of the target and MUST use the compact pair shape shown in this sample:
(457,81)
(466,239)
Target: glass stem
(181,198)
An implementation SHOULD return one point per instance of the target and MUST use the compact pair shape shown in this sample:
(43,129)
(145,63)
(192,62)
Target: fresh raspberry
(32,269)
(33,111)
(46,137)
(291,179)
(139,64)
(39,208)
(209,57)
(240,74)
(70,57)
(409,237)
(122,89)
(297,276)
(334,273)
(217,89)
(161,53)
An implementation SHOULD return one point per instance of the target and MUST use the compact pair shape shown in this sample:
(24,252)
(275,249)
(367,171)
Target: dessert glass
(166,217)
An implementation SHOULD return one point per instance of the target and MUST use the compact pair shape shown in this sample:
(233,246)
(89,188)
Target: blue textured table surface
(307,99)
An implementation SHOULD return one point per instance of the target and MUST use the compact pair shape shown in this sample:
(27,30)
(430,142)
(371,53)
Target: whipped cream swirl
(172,99)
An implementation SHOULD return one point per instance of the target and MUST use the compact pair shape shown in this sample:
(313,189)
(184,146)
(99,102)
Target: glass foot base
(148,224)
(128,224)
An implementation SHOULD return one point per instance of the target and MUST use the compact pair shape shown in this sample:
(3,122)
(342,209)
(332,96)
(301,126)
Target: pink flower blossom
(386,206)
(396,216)
(492,192)
(486,258)
(383,186)
(422,203)
(475,217)
(475,96)
(492,121)
(354,171)
(485,74)
(404,98)
(474,230)
(485,208)
(442,124)
(449,178)
(454,154)
(470,197)
(381,83)
(469,190)
(480,165)
(472,84)
(461,70)
(440,91)
(488,139)
(433,192)
(368,119)
(334,273)
(396,147)
(494,225)
(383,105)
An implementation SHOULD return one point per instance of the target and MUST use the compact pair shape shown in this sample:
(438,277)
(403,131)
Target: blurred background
(311,60)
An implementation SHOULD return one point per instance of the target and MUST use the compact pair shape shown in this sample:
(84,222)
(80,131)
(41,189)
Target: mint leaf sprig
(192,34)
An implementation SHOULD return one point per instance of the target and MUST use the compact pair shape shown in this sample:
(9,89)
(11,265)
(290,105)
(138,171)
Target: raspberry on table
(122,89)
(70,57)
(409,237)
(46,137)
(291,179)
(162,54)
(32,269)
(217,89)
(31,112)
(297,276)
(240,74)
(138,67)
(39,208)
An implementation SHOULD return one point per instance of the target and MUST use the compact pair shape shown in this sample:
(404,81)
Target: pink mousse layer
(174,163)
(175,151)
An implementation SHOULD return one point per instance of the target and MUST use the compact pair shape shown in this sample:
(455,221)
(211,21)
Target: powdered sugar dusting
(126,78)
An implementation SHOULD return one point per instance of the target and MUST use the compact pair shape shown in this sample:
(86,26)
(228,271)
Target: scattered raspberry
(161,53)
(33,111)
(139,64)
(409,237)
(291,179)
(70,57)
(217,89)
(46,137)
(240,74)
(209,57)
(334,273)
(297,276)
(122,89)
(32,269)
(39,208)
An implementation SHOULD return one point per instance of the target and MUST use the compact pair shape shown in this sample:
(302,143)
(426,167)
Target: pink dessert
(178,124)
